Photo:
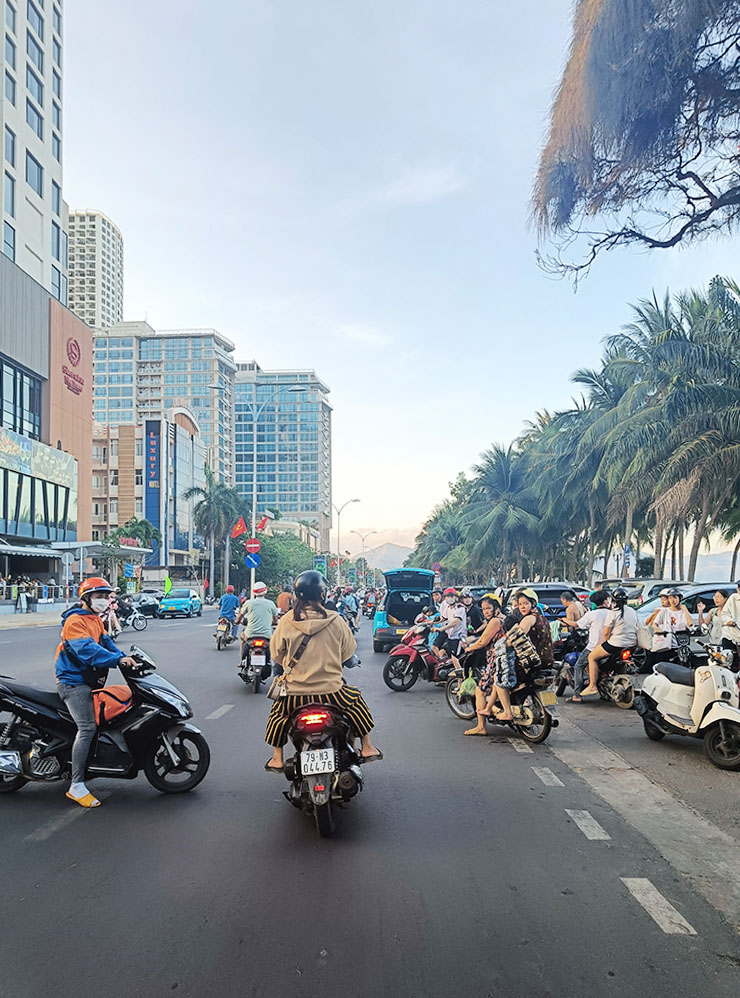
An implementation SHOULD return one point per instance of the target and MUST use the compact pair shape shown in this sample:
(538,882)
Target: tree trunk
(658,555)
(212,586)
(628,537)
(699,533)
(519,566)
(607,556)
(680,565)
(673,554)
(591,541)
(734,561)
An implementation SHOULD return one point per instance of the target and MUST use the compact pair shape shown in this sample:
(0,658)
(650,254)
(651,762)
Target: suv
(641,590)
(549,593)
(182,602)
(408,592)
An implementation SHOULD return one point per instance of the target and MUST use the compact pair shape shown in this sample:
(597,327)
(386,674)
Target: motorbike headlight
(726,657)
(181,705)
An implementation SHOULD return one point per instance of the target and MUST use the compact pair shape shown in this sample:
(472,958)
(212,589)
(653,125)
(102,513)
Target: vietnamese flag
(240,528)
(263,523)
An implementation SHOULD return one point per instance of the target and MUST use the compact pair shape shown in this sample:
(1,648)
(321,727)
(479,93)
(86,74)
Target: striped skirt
(348,699)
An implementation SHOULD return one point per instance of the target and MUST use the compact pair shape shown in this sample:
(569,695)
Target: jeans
(79,702)
(580,669)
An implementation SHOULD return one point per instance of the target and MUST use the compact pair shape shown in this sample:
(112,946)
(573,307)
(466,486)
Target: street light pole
(338,510)
(363,538)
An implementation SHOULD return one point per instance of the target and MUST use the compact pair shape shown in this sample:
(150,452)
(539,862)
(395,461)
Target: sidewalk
(46,615)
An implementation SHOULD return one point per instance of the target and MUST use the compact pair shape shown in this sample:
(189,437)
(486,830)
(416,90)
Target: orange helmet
(95,585)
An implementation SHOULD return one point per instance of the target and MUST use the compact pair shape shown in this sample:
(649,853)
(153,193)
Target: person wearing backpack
(83,658)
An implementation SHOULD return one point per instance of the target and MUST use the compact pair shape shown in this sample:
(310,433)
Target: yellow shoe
(87,801)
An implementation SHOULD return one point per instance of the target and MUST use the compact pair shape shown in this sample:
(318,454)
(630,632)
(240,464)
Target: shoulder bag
(278,687)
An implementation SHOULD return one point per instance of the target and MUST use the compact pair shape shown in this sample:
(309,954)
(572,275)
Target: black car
(549,593)
(146,603)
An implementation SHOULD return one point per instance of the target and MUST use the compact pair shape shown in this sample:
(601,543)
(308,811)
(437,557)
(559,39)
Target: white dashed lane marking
(588,825)
(220,712)
(52,827)
(661,911)
(548,777)
(519,746)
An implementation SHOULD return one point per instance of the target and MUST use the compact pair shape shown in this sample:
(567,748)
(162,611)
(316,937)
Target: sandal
(574,699)
(273,769)
(365,759)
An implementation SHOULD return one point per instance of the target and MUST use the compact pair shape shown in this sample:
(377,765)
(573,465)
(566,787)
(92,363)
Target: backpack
(110,702)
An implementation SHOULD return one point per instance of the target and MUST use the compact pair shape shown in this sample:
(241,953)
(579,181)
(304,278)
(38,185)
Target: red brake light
(314,719)
(319,786)
(626,654)
(259,643)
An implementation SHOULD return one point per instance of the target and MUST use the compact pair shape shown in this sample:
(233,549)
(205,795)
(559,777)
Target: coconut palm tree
(215,513)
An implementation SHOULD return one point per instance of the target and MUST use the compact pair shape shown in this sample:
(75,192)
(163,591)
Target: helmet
(347,590)
(466,593)
(450,591)
(95,585)
(311,585)
(620,595)
(672,591)
(493,598)
(259,589)
(229,589)
(529,594)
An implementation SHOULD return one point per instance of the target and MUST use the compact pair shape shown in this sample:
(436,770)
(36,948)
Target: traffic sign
(67,558)
(253,545)
(436,567)
(252,561)
(319,563)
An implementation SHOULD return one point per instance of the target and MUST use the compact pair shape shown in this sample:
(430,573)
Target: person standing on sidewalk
(84,656)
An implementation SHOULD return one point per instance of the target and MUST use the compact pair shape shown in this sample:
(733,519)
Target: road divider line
(548,777)
(588,825)
(52,827)
(220,712)
(519,746)
(661,911)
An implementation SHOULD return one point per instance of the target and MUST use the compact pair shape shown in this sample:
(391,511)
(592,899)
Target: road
(466,865)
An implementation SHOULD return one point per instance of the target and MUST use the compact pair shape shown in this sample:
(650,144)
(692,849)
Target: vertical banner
(152,488)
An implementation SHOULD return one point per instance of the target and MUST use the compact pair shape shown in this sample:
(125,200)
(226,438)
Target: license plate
(223,627)
(548,698)
(258,658)
(317,761)
(400,630)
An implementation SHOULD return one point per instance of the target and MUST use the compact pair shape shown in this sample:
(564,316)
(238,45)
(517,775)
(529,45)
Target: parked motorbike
(255,667)
(325,771)
(534,706)
(412,658)
(224,633)
(149,732)
(701,703)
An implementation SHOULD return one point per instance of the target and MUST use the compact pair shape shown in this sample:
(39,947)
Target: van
(408,592)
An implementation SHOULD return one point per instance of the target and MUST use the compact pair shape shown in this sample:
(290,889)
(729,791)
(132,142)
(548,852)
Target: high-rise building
(140,374)
(293,443)
(95,269)
(34,222)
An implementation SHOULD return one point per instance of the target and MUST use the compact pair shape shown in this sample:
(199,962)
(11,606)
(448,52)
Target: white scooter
(702,703)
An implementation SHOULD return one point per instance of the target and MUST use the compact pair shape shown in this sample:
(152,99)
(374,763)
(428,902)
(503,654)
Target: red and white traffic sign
(253,545)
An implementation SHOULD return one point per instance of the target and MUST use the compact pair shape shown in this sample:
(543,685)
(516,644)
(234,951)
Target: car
(408,592)
(641,590)
(691,594)
(180,602)
(549,593)
(155,592)
(145,603)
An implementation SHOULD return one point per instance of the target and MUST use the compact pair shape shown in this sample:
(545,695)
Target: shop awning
(29,552)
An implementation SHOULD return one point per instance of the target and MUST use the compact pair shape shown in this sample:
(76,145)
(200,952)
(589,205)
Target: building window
(9,146)
(35,86)
(139,448)
(57,19)
(56,241)
(9,88)
(56,84)
(35,19)
(56,283)
(56,147)
(35,52)
(34,119)
(139,503)
(114,448)
(34,174)
(10,52)
(56,198)
(113,507)
(139,479)
(56,116)
(9,241)
(114,476)
(9,199)
(56,50)
(20,400)
(10,16)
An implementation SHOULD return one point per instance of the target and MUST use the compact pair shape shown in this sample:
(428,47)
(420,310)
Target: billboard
(152,487)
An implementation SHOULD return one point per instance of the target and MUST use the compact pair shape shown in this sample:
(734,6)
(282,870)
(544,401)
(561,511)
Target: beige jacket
(319,669)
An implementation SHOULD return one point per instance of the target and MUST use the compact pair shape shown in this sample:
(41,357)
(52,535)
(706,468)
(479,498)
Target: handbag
(278,687)
(644,637)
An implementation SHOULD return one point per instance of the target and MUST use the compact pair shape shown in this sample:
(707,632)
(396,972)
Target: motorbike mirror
(141,657)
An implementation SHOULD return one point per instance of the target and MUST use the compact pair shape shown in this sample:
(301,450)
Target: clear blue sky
(345,186)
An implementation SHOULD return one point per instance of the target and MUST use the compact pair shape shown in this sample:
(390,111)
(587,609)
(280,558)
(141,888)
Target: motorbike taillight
(626,655)
(258,643)
(313,719)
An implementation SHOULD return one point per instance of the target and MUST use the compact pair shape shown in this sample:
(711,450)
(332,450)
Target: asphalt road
(459,869)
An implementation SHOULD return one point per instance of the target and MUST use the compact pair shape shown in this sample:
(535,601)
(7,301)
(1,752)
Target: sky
(345,187)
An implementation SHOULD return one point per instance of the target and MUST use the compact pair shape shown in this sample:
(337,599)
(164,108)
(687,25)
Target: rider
(620,632)
(259,615)
(83,658)
(228,606)
(285,600)
(349,605)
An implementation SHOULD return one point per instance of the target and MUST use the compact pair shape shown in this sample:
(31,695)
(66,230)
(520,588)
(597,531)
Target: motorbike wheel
(562,683)
(378,646)
(324,820)
(9,784)
(139,622)
(723,752)
(540,727)
(624,693)
(463,708)
(192,750)
(652,730)
(256,680)
(393,675)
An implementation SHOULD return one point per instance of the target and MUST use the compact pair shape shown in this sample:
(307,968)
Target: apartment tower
(95,269)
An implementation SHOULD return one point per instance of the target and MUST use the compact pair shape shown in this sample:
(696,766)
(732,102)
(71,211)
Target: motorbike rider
(620,632)
(349,607)
(285,600)
(476,621)
(259,615)
(452,626)
(227,608)
(314,668)
(593,621)
(83,658)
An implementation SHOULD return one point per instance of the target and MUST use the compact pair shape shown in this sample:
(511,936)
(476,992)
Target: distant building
(293,444)
(95,269)
(32,210)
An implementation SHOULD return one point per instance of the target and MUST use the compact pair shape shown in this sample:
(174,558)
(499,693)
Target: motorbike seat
(675,673)
(49,698)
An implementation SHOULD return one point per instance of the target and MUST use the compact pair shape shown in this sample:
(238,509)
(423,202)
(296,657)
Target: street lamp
(363,538)
(338,510)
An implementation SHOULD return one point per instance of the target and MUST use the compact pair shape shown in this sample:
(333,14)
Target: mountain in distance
(388,556)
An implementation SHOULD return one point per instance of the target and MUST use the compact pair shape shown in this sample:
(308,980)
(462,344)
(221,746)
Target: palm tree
(215,513)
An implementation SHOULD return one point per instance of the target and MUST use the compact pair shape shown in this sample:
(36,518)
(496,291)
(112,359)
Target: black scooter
(152,734)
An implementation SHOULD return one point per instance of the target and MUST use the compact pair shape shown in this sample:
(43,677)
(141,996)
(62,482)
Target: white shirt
(461,627)
(593,621)
(624,627)
(731,611)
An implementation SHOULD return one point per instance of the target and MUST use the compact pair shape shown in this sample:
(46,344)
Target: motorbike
(255,667)
(325,771)
(224,633)
(698,703)
(615,677)
(412,658)
(534,705)
(147,730)
(135,619)
(567,652)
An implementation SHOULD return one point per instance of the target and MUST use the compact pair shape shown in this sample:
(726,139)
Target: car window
(179,594)
(706,597)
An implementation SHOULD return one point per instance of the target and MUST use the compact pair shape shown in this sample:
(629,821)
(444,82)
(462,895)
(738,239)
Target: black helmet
(620,595)
(672,591)
(311,586)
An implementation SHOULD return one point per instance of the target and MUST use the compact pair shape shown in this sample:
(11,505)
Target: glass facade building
(38,490)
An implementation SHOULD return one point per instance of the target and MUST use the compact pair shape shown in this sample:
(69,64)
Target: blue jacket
(228,605)
(85,633)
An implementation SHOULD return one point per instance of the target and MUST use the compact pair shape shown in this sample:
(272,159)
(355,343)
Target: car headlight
(181,706)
